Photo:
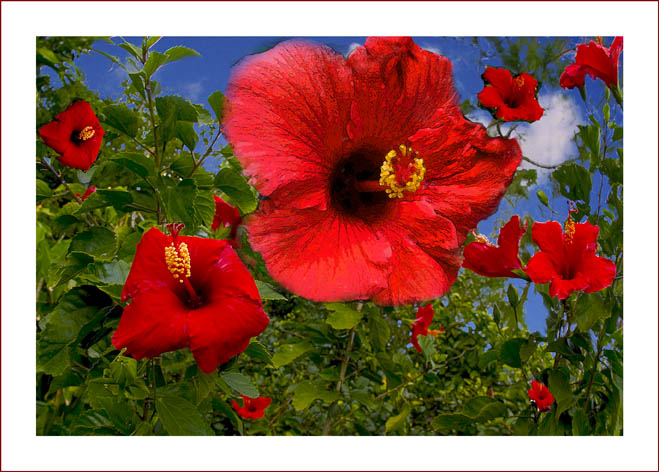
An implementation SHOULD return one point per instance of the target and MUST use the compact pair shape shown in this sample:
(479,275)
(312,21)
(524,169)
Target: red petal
(563,288)
(149,269)
(152,323)
(399,89)
(231,315)
(541,268)
(225,214)
(548,236)
(289,107)
(415,275)
(499,78)
(490,97)
(598,271)
(77,157)
(57,135)
(339,259)
(574,75)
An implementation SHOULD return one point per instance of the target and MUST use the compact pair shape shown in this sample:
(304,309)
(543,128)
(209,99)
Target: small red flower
(75,134)
(252,407)
(540,396)
(226,215)
(188,292)
(492,261)
(87,193)
(568,260)
(512,98)
(597,61)
(372,177)
(424,316)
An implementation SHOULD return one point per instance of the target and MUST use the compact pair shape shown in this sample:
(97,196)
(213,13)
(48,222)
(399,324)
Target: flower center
(402,171)
(177,258)
(520,81)
(86,133)
(481,238)
(178,261)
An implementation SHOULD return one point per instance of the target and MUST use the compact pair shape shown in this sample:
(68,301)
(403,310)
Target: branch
(60,178)
(546,166)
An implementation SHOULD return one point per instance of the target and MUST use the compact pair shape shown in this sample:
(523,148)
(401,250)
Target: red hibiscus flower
(596,61)
(512,98)
(424,316)
(188,292)
(372,177)
(75,134)
(540,396)
(492,261)
(252,407)
(226,215)
(568,260)
(87,193)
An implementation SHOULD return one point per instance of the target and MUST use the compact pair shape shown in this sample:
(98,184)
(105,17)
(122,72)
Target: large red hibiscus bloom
(372,177)
(510,98)
(568,260)
(188,292)
(75,134)
(492,261)
(595,60)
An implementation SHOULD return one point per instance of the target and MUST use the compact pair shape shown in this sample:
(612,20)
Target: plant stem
(60,178)
(342,375)
(201,160)
(543,166)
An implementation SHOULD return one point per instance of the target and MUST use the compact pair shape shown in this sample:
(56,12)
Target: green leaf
(287,353)
(378,331)
(122,118)
(240,383)
(476,410)
(186,133)
(427,345)
(256,350)
(510,352)
(575,182)
(542,196)
(97,242)
(179,202)
(235,186)
(216,101)
(559,387)
(606,111)
(267,292)
(342,316)
(183,165)
(123,370)
(307,392)
(43,190)
(111,273)
(136,163)
(590,308)
(63,326)
(228,411)
(397,423)
(172,109)
(154,62)
(101,198)
(580,425)
(150,41)
(131,48)
(179,417)
(177,53)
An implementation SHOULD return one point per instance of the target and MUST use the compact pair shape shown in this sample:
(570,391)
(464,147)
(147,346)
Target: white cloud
(548,141)
(352,47)
(431,49)
(192,90)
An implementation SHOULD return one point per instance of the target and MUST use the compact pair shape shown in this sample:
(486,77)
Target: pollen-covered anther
(86,133)
(569,229)
(481,238)
(402,171)
(178,261)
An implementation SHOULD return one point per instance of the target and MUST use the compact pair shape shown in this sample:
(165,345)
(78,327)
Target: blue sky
(548,141)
